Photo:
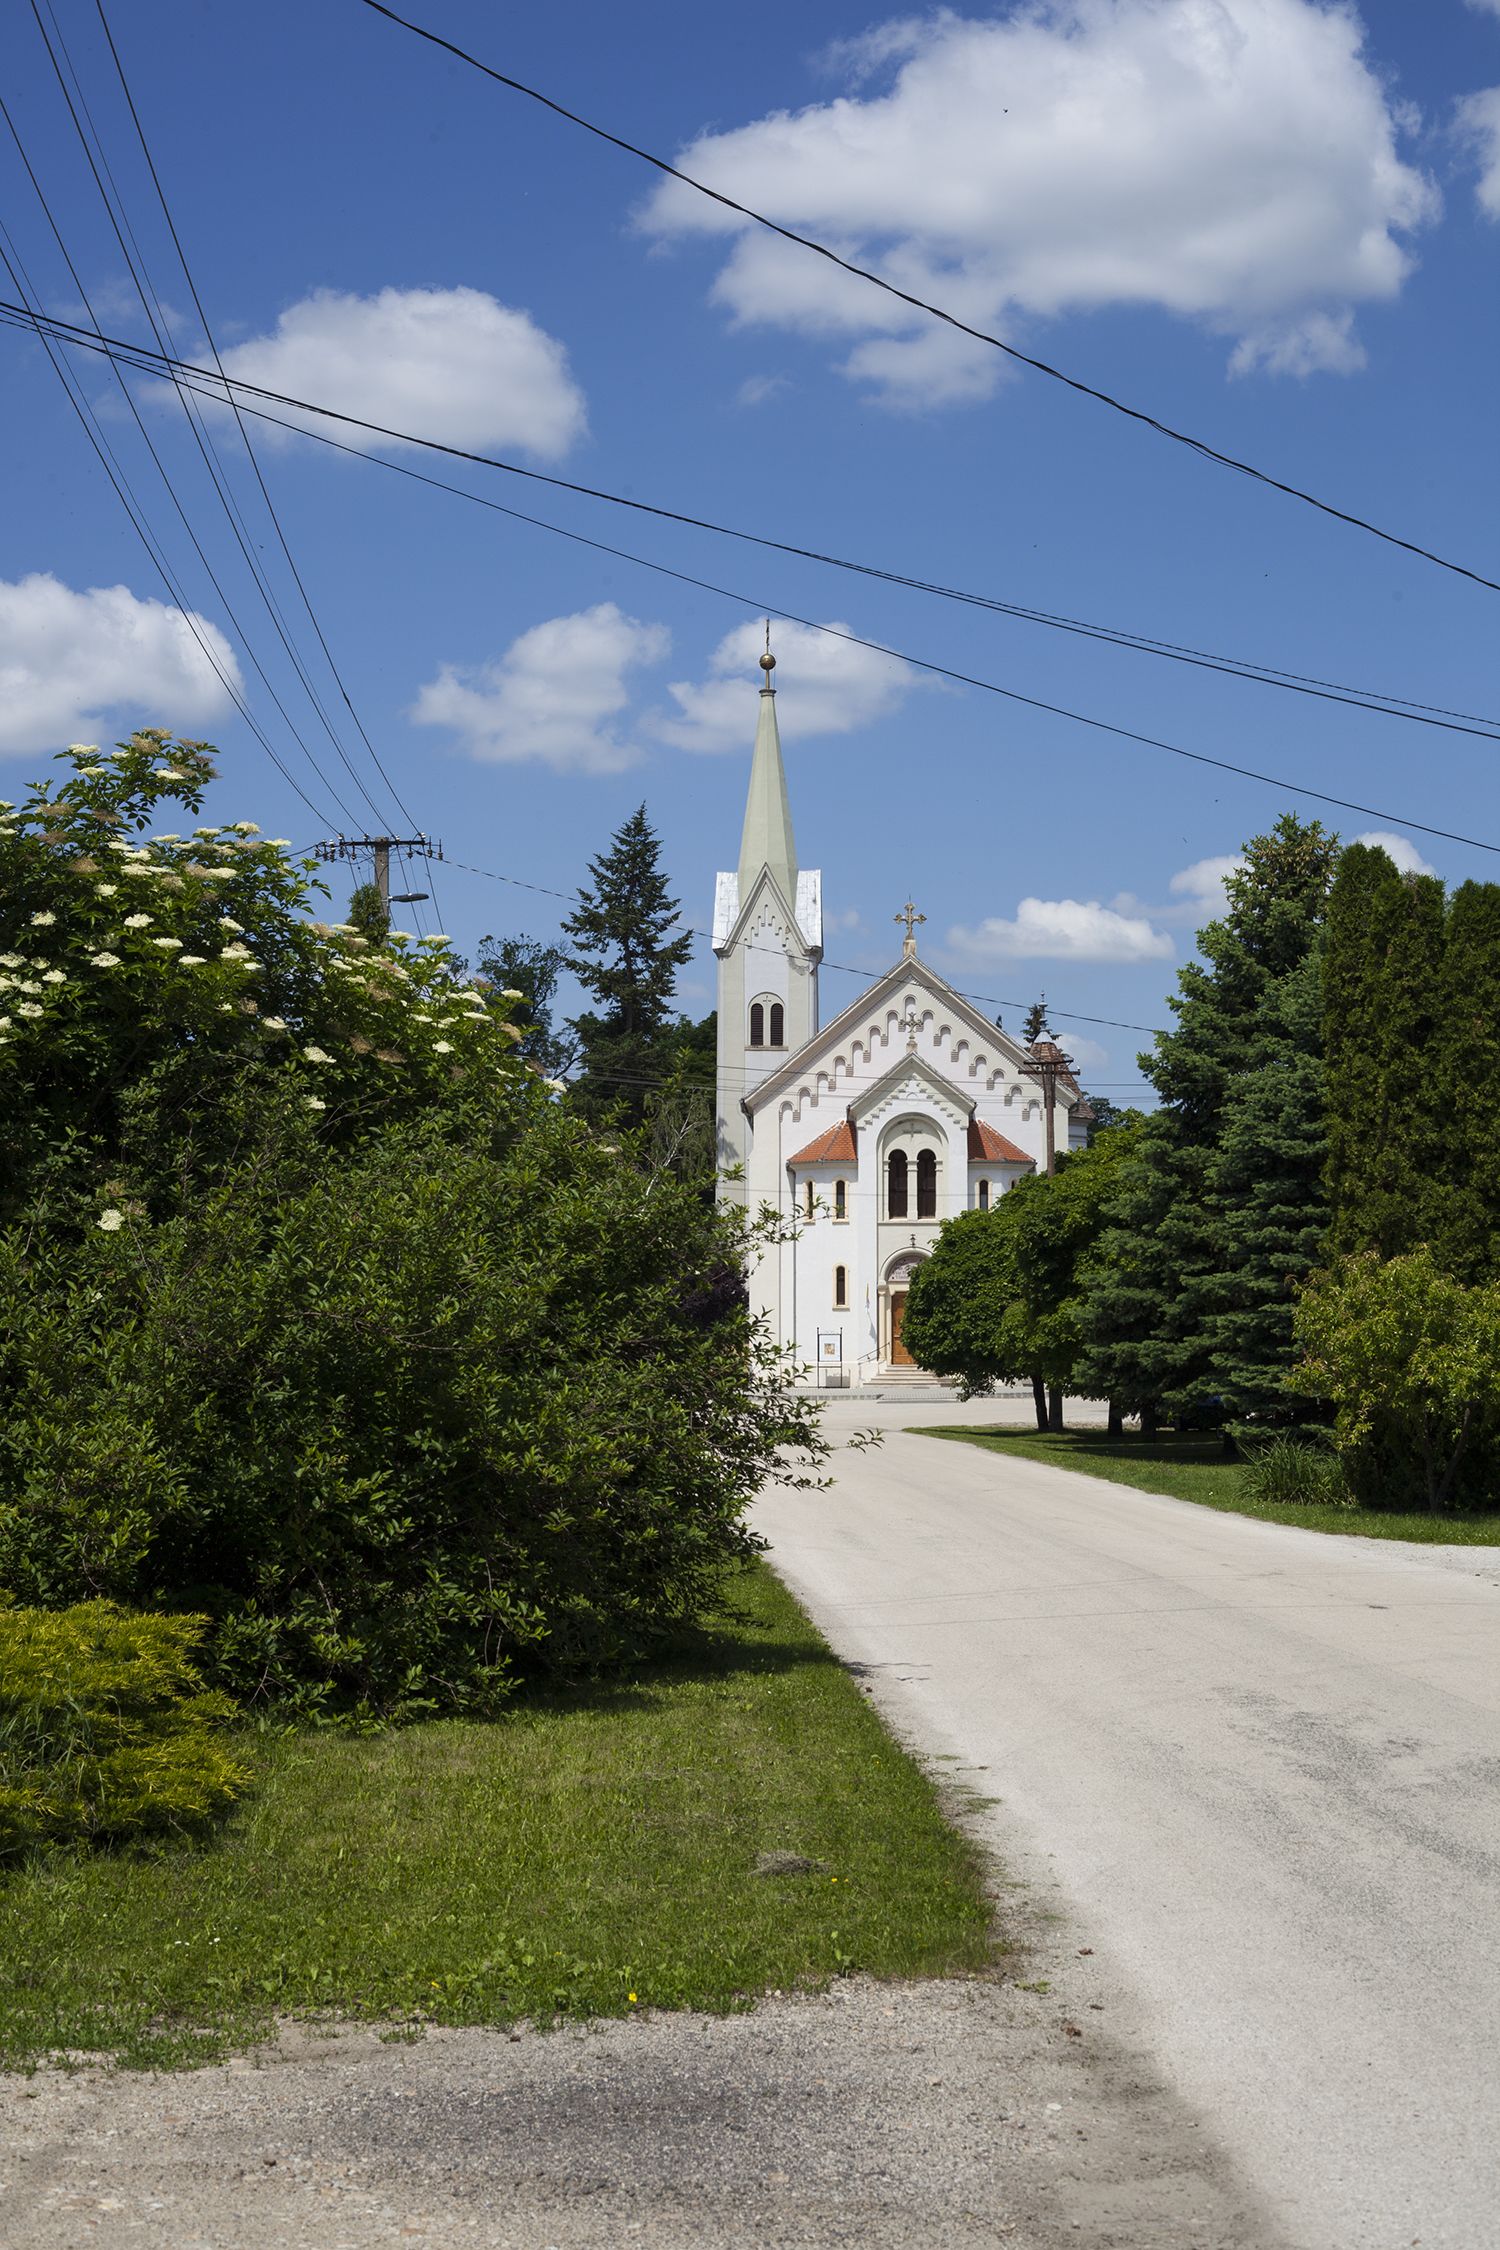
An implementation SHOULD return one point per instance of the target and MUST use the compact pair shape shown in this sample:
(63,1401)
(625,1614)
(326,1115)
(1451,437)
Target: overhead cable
(1138,414)
(124,493)
(146,363)
(218,477)
(1254,670)
(271,509)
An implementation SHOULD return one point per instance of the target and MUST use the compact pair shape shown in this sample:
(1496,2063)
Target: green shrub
(1294,1474)
(1411,1361)
(476,1400)
(107,1733)
(319,1314)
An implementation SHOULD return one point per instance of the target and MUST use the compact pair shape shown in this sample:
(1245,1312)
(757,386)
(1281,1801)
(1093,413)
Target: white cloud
(1398,848)
(1234,162)
(1201,886)
(452,364)
(552,696)
(1087,1054)
(1486,7)
(827,686)
(1479,124)
(1063,929)
(757,390)
(71,663)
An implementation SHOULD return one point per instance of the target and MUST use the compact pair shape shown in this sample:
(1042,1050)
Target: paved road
(1259,1770)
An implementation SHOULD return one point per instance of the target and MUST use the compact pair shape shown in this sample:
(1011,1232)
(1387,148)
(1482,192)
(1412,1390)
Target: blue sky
(1273,223)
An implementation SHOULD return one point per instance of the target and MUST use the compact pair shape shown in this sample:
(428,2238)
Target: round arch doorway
(893,1306)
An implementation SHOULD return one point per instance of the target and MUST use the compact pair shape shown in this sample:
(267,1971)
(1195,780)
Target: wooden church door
(900,1356)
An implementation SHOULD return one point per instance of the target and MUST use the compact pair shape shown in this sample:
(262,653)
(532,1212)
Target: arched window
(840,1286)
(778,1024)
(984,1195)
(840,1200)
(926,1183)
(895,1190)
(810,1192)
(757,1025)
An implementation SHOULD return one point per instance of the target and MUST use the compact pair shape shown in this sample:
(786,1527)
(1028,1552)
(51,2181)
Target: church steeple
(768,935)
(767,840)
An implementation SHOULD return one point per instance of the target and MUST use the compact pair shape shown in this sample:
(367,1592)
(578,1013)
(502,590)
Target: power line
(1246,668)
(271,509)
(133,506)
(125,495)
(847,968)
(144,362)
(135,266)
(1196,445)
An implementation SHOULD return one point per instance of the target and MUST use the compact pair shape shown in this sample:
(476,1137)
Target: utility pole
(381,847)
(1048,1063)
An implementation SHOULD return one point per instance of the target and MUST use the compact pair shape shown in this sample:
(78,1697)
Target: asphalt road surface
(1256,1770)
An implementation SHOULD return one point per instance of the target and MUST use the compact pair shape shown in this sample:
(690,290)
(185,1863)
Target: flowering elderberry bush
(319,1315)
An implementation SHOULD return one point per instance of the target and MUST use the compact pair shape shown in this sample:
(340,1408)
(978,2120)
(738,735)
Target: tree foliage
(1267,1211)
(369,916)
(1156,1289)
(1410,1358)
(627,959)
(1465,1062)
(1383,1009)
(319,1315)
(1001,1297)
(523,972)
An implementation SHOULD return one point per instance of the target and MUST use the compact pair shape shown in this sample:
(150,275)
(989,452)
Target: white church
(866,1134)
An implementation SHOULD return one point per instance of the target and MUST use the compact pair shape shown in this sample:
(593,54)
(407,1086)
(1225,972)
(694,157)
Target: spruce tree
(1467,1070)
(1389,1128)
(1268,1210)
(1146,1319)
(626,958)
(1035,1026)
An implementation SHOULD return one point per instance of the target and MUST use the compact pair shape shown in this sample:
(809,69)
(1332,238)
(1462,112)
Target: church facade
(864,1135)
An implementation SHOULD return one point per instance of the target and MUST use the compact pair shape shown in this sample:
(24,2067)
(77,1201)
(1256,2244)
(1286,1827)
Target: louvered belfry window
(895,1193)
(927,1183)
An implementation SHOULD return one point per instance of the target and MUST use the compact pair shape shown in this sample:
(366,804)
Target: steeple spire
(767,840)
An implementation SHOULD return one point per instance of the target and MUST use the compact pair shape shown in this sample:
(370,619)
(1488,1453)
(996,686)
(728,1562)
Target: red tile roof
(988,1146)
(836,1146)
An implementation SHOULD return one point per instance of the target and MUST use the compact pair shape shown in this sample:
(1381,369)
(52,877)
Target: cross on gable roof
(911,971)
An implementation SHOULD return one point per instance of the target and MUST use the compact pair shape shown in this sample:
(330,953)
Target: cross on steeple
(910,917)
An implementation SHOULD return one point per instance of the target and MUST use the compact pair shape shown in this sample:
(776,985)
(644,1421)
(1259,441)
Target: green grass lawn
(586,1854)
(1194,1468)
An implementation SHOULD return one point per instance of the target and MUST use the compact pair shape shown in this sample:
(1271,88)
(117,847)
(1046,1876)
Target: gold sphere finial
(768,661)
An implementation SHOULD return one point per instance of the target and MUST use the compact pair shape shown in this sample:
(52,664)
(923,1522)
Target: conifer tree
(1467,1057)
(1145,1321)
(1036,1025)
(626,958)
(1390,1142)
(1268,1210)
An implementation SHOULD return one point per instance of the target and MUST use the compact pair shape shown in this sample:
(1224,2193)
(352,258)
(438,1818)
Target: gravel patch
(940,2115)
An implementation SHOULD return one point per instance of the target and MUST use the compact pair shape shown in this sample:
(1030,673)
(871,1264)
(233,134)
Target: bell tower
(768,935)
